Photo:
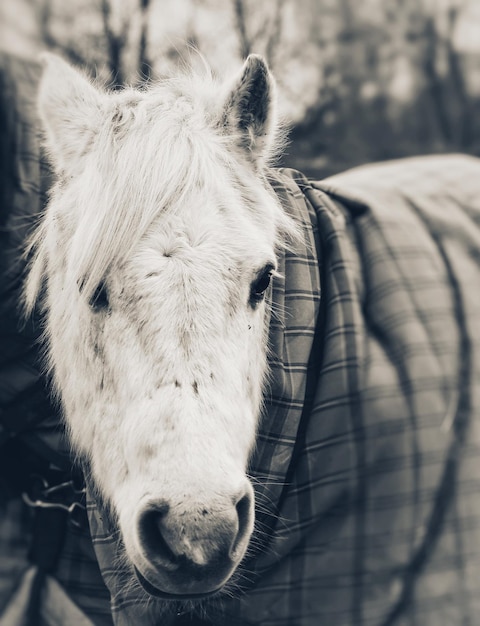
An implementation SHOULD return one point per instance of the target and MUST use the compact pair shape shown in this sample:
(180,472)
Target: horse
(159,244)
(155,264)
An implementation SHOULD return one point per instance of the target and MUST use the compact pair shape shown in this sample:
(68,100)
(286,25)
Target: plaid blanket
(368,450)
(366,468)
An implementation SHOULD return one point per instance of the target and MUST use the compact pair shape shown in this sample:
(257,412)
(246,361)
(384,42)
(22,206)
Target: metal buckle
(65,496)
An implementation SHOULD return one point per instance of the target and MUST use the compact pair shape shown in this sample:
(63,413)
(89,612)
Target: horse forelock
(156,151)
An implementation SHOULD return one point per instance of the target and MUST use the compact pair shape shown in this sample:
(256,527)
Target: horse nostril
(244,514)
(243,511)
(150,527)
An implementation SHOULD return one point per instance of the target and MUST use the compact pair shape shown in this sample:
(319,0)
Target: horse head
(156,252)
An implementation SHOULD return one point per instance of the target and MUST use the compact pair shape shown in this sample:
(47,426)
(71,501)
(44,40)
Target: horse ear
(70,109)
(250,108)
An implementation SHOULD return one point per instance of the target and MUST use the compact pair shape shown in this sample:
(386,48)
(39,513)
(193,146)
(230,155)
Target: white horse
(156,252)
(153,263)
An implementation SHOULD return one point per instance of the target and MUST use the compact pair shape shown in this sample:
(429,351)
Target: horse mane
(169,132)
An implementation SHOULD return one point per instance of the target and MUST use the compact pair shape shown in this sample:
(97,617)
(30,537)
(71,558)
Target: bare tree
(262,31)
(44,12)
(115,41)
(144,63)
(449,97)
(245,44)
(111,44)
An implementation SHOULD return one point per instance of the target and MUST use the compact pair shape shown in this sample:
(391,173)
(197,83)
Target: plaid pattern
(367,454)
(366,468)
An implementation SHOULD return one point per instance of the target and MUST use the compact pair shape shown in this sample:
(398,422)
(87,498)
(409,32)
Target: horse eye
(260,286)
(99,300)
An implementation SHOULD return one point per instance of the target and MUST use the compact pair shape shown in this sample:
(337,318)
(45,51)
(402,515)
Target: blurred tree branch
(267,37)
(112,37)
(144,63)
(449,95)
(115,43)
(241,27)
(43,9)
(275,37)
(362,80)
(464,135)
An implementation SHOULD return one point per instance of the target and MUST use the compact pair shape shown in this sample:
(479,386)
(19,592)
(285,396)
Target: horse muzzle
(191,553)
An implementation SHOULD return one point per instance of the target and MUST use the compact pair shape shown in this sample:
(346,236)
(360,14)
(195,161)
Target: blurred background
(359,80)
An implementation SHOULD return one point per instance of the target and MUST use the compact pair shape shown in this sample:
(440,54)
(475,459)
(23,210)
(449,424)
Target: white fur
(156,198)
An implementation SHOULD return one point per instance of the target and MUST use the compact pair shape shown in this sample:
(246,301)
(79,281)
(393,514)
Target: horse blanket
(366,468)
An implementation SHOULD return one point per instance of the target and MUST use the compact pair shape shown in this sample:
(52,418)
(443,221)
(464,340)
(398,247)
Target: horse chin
(154,591)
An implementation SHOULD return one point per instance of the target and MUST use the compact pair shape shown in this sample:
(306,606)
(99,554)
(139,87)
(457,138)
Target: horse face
(177,337)
(158,248)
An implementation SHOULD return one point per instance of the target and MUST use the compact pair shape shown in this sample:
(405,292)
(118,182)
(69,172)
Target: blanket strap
(58,500)
(61,491)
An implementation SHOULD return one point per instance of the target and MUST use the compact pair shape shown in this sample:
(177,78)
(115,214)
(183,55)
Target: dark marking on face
(117,118)
(122,116)
(97,351)
(178,384)
(195,387)
(153,274)
(148,452)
